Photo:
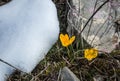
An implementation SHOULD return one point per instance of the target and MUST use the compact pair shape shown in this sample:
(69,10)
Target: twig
(12,66)
(93,15)
(34,77)
(59,74)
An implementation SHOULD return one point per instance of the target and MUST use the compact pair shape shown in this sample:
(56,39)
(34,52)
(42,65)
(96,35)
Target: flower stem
(68,52)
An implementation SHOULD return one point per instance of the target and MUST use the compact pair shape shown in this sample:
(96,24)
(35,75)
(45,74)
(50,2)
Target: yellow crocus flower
(90,54)
(65,40)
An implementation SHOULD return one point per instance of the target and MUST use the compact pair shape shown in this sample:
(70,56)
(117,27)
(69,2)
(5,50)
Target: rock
(103,33)
(98,78)
(67,75)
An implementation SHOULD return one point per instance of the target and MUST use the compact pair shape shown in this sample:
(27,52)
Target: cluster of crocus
(89,54)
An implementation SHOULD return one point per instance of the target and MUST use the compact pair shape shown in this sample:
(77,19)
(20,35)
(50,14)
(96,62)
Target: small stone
(68,75)
(98,78)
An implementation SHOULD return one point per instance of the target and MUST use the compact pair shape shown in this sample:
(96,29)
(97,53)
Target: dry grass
(105,65)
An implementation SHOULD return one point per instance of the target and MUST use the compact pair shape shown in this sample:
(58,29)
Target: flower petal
(64,40)
(66,37)
(72,39)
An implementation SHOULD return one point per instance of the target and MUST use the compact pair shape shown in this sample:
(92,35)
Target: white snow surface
(28,29)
